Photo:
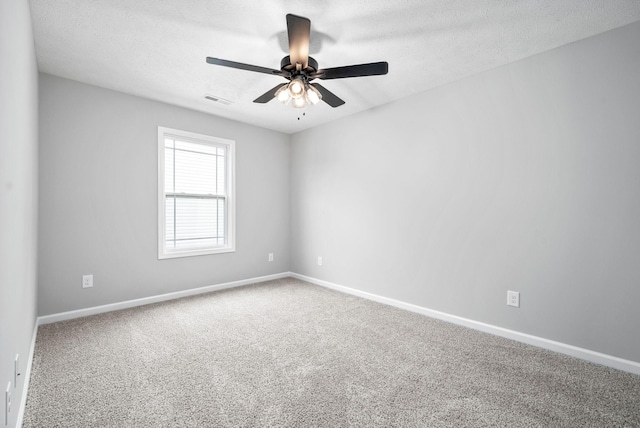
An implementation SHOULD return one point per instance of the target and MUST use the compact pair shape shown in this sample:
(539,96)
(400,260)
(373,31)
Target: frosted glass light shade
(282,94)
(313,95)
(296,88)
(299,102)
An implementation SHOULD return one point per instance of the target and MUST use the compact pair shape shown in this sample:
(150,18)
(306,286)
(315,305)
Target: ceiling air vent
(217,99)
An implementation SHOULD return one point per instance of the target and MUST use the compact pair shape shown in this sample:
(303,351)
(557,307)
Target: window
(195,194)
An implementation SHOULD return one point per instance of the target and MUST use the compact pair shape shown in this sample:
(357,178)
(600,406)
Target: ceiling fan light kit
(299,92)
(300,69)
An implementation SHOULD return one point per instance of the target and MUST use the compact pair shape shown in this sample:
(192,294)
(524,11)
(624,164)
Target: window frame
(230,217)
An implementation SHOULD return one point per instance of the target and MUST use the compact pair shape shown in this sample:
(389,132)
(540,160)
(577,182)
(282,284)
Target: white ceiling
(157,48)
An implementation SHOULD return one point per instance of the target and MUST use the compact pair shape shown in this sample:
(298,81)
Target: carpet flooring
(286,353)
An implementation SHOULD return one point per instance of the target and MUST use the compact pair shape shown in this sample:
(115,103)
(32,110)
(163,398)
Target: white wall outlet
(87,281)
(7,404)
(319,261)
(270,257)
(16,370)
(513,298)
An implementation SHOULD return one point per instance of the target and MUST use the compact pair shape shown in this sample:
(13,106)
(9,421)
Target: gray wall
(18,193)
(525,177)
(98,199)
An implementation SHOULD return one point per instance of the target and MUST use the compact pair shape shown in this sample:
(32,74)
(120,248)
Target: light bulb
(299,102)
(296,88)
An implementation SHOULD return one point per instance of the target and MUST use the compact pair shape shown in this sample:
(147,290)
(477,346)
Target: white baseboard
(47,319)
(27,377)
(563,348)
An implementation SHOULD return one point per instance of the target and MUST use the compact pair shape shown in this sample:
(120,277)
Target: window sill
(190,253)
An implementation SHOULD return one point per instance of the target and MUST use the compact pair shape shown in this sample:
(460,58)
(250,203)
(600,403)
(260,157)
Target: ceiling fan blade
(370,69)
(269,95)
(241,66)
(328,96)
(298,29)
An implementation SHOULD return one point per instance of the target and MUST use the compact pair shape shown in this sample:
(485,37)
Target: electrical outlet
(319,261)
(7,404)
(270,257)
(87,281)
(16,370)
(513,298)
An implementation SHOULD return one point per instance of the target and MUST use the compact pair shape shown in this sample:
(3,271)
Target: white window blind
(195,203)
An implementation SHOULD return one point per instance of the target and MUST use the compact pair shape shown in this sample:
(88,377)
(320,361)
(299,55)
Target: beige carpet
(289,354)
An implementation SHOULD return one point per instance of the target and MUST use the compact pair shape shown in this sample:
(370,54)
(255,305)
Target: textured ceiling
(157,48)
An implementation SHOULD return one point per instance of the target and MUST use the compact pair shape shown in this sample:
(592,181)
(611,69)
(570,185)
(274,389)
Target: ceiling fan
(300,69)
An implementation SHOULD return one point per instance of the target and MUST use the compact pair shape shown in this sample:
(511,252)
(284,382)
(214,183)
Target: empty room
(320,213)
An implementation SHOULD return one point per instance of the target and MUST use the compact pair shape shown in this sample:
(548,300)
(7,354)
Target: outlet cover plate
(7,404)
(513,299)
(87,281)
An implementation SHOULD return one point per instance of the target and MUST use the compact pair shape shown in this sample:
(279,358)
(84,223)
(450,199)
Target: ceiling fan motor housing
(287,67)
